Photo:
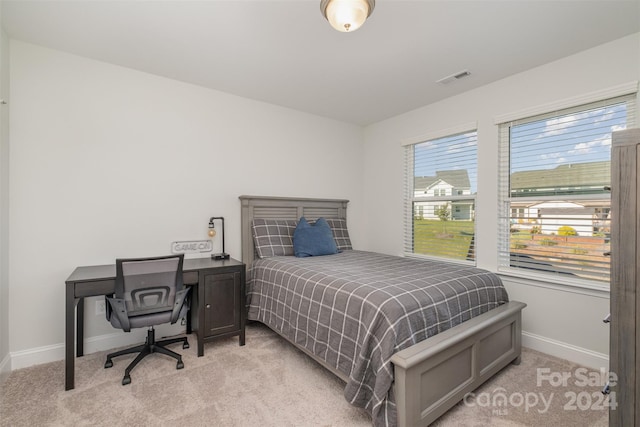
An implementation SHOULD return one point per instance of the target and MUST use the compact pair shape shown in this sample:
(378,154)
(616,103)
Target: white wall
(4,205)
(556,321)
(107,161)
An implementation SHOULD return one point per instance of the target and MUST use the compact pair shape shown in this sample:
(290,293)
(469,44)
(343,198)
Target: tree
(566,230)
(535,230)
(443,213)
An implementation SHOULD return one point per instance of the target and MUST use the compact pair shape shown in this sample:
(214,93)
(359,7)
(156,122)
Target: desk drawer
(93,288)
(190,277)
(107,287)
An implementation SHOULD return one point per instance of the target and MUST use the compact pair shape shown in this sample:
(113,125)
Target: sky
(568,139)
(578,137)
(448,153)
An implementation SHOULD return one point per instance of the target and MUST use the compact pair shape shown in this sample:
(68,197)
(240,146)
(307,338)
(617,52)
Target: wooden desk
(215,313)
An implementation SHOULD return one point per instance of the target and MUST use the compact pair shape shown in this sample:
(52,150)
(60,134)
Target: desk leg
(189,327)
(243,310)
(80,328)
(199,307)
(69,336)
(200,343)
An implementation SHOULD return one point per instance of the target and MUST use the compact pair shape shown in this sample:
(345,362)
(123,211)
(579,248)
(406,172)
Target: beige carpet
(265,383)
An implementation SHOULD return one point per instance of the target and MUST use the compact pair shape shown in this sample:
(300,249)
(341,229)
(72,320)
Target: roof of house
(567,177)
(457,178)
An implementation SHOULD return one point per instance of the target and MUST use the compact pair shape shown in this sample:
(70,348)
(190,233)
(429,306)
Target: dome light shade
(346,15)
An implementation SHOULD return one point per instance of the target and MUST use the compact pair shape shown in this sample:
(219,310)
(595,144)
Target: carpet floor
(268,382)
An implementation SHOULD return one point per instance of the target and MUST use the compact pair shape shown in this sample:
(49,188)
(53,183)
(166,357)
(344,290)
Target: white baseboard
(5,364)
(36,356)
(562,350)
(52,353)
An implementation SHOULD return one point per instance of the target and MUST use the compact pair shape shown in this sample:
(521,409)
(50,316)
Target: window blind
(554,199)
(440,193)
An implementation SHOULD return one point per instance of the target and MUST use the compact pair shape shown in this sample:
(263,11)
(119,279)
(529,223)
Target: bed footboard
(435,374)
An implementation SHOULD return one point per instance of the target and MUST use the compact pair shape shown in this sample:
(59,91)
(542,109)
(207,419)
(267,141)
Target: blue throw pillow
(313,240)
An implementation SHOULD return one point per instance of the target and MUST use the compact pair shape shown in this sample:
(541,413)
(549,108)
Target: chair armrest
(182,299)
(119,309)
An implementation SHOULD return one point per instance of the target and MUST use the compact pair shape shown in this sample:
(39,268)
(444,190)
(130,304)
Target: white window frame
(504,200)
(410,196)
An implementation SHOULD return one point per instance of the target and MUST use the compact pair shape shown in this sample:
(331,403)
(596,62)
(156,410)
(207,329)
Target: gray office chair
(148,292)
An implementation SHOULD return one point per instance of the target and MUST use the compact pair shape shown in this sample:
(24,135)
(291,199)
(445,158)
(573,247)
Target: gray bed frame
(435,374)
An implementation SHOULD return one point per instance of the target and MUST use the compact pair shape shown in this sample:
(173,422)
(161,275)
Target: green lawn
(449,239)
(582,256)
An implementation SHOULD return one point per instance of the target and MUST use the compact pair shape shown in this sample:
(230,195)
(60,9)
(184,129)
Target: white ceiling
(285,53)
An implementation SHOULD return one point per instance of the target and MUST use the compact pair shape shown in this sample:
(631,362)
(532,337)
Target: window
(440,193)
(555,173)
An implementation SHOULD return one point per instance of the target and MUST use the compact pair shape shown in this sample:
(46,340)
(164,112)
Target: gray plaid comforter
(356,309)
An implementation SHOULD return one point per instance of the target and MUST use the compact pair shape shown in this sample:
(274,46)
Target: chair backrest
(149,285)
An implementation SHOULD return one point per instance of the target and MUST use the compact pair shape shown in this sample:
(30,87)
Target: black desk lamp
(212,233)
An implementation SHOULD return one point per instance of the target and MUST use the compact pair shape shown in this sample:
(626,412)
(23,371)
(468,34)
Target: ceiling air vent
(453,77)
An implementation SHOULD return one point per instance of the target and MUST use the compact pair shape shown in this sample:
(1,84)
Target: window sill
(435,258)
(577,286)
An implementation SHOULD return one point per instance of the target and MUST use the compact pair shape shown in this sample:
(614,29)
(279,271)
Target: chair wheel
(185,345)
(126,380)
(179,365)
(108,364)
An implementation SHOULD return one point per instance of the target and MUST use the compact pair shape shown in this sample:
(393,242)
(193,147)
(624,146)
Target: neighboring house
(444,184)
(553,215)
(572,179)
(585,216)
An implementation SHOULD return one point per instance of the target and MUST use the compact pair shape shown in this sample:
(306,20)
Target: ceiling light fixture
(347,15)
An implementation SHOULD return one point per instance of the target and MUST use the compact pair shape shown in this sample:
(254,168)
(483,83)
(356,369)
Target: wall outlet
(100,308)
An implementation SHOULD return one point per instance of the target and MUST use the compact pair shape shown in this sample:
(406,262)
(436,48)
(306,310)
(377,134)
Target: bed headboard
(264,207)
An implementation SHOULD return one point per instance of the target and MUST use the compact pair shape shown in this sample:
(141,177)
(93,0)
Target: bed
(363,315)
